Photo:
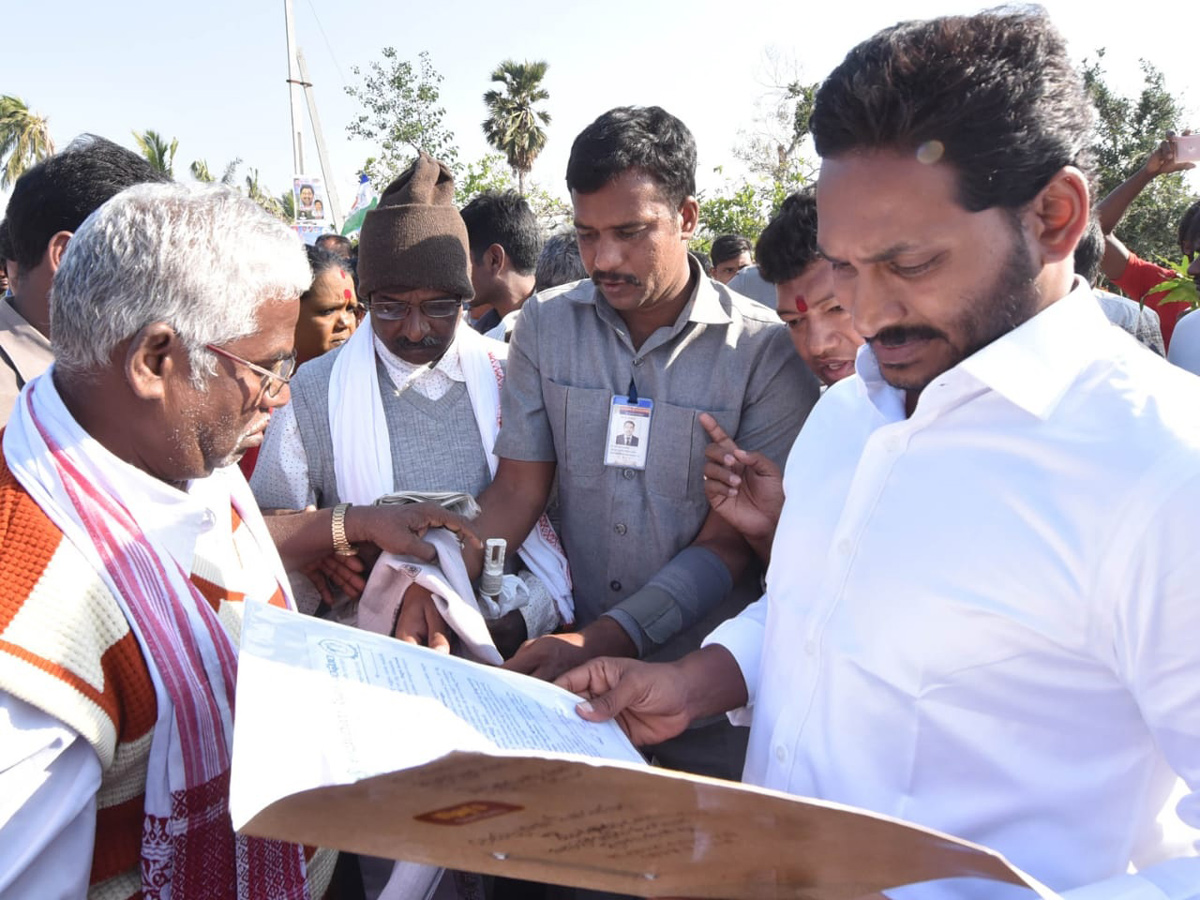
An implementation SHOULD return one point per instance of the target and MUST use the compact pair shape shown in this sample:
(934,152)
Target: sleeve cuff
(742,636)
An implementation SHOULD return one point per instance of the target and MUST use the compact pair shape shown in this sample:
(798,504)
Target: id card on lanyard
(628,432)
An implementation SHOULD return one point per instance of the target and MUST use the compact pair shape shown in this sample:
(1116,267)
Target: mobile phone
(1187,148)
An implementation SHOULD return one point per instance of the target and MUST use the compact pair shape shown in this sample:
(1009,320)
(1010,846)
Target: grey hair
(201,258)
(559,262)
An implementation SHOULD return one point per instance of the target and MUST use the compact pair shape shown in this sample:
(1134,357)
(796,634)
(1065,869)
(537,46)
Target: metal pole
(294,83)
(322,155)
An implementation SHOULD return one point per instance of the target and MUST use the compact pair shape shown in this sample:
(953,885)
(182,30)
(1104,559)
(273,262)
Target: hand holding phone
(1187,147)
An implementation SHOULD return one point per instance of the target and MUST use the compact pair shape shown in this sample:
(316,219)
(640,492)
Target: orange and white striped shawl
(104,630)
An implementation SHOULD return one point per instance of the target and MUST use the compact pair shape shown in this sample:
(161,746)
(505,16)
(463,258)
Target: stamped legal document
(353,740)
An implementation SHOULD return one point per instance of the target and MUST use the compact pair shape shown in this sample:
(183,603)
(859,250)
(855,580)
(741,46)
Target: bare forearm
(302,537)
(305,537)
(714,682)
(1110,210)
(1115,259)
(730,546)
(762,546)
(510,506)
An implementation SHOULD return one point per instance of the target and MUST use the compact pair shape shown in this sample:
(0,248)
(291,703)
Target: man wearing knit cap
(411,401)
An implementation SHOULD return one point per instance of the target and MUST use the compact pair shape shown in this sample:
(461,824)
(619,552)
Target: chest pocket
(579,423)
(675,457)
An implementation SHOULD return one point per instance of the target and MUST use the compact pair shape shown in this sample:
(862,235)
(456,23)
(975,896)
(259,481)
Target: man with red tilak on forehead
(823,333)
(821,326)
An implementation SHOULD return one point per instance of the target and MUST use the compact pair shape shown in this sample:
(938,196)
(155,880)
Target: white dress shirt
(984,618)
(1185,343)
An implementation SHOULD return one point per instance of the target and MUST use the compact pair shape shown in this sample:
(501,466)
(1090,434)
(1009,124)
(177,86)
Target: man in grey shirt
(648,337)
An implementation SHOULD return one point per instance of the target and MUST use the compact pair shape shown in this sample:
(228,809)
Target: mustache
(896,335)
(600,275)
(426,343)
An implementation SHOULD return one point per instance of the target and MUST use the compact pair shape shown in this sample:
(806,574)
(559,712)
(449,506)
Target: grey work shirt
(571,352)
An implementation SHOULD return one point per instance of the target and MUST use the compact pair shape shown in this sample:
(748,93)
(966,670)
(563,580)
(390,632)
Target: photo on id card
(628,432)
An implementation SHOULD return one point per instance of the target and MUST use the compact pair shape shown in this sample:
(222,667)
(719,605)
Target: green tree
(491,173)
(1127,130)
(488,173)
(200,171)
(745,208)
(402,115)
(157,151)
(514,124)
(773,149)
(262,196)
(287,206)
(24,138)
(738,210)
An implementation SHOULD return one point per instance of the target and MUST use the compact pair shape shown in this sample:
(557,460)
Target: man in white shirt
(981,615)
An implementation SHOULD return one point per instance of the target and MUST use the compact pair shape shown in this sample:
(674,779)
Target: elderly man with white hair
(129,542)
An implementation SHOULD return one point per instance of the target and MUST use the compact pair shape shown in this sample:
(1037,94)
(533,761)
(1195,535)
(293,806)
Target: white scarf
(188,847)
(362,452)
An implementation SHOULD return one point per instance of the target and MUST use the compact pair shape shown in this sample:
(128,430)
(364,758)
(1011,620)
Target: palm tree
(24,138)
(514,126)
(287,206)
(201,172)
(262,196)
(157,151)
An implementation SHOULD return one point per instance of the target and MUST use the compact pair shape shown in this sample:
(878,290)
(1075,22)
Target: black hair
(1187,222)
(729,246)
(504,218)
(559,263)
(6,251)
(646,138)
(60,192)
(994,95)
(788,245)
(705,261)
(329,241)
(322,261)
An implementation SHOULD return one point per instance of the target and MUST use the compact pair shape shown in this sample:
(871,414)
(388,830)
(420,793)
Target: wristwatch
(341,546)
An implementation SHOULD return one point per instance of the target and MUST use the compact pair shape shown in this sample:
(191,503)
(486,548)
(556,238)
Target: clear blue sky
(212,74)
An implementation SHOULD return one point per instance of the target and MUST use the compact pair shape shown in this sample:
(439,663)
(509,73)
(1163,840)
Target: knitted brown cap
(415,237)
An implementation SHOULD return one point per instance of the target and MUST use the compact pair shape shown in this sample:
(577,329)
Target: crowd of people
(912,535)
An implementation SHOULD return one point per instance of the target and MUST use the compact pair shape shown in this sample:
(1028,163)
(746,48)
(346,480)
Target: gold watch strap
(341,546)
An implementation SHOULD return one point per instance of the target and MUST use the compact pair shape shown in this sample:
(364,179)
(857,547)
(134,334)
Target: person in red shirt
(1135,276)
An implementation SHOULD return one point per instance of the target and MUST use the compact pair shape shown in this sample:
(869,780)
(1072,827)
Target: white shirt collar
(1032,366)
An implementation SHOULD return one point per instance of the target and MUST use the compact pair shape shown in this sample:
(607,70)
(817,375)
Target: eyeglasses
(394,310)
(273,379)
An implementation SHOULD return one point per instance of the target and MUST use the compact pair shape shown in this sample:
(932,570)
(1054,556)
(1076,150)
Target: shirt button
(810,647)
(844,547)
(638,361)
(615,585)
(619,528)
(781,753)
(208,519)
(892,444)
(628,473)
